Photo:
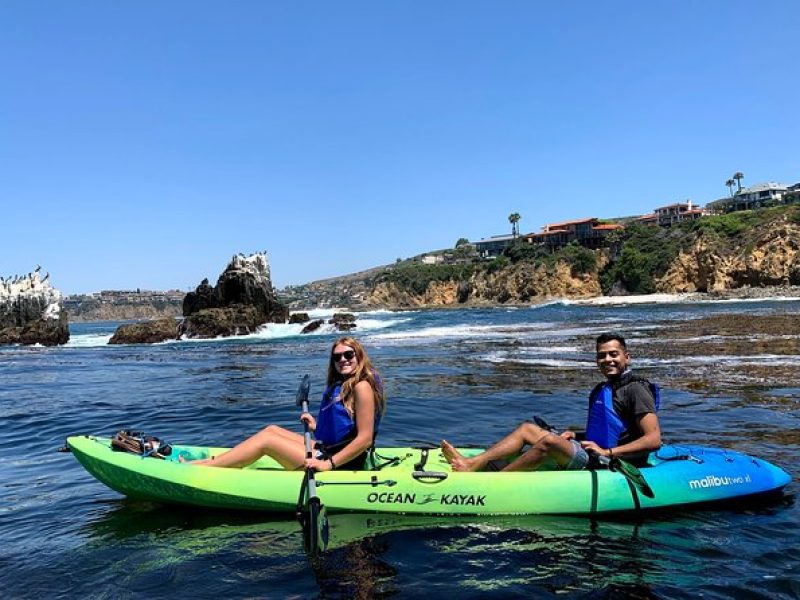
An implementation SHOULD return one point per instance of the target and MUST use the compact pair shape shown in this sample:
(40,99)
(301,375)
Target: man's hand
(568,435)
(592,447)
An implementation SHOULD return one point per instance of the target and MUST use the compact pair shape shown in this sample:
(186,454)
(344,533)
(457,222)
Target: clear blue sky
(142,144)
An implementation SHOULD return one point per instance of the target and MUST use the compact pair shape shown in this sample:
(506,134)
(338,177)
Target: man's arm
(650,440)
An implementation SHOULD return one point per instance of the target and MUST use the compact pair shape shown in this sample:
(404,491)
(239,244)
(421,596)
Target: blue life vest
(604,426)
(334,423)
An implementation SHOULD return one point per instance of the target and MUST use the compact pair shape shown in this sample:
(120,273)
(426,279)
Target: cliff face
(518,283)
(31,312)
(764,256)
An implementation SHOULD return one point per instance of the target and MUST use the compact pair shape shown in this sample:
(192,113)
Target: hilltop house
(666,216)
(589,233)
(755,196)
(493,246)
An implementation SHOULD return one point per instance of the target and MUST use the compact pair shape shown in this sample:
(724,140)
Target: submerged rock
(31,311)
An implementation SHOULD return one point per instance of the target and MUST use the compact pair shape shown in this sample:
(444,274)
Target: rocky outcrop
(313,326)
(150,332)
(765,256)
(31,311)
(240,302)
(343,321)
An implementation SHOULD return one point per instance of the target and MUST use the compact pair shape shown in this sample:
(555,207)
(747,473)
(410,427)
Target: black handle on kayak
(429,476)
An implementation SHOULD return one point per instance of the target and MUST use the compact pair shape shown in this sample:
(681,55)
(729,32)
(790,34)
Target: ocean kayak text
(444,499)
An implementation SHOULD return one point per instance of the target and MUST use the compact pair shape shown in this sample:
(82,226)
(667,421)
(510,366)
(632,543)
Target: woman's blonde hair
(364,372)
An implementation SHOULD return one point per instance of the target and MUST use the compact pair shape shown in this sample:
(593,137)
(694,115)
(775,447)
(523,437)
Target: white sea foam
(88,340)
(680,298)
(554,363)
(557,302)
(641,299)
(524,331)
(269,331)
(744,360)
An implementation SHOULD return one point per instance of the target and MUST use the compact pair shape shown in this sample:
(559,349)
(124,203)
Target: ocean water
(466,375)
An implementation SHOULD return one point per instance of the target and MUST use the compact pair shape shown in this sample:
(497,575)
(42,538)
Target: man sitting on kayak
(622,422)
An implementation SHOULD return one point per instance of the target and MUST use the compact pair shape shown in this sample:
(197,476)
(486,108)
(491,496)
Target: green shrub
(496,264)
(415,277)
(646,253)
(581,260)
(519,250)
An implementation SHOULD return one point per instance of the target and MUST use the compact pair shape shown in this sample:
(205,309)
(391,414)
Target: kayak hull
(418,481)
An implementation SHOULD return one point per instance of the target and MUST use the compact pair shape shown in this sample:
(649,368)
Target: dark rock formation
(300,317)
(204,296)
(343,321)
(241,301)
(31,312)
(313,326)
(150,332)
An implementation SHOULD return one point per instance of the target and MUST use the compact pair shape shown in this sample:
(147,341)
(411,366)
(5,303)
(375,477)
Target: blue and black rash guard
(615,408)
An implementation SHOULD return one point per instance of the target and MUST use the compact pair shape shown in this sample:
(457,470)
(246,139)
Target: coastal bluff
(743,254)
(31,311)
(241,301)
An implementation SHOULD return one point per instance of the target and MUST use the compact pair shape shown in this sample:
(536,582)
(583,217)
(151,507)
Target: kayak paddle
(310,510)
(626,469)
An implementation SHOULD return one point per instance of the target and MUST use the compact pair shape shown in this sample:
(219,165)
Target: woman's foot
(456,459)
(200,461)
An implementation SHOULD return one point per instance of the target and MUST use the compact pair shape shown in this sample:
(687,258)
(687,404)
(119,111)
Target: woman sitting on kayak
(345,428)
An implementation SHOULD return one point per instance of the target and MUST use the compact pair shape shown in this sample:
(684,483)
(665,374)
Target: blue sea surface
(466,375)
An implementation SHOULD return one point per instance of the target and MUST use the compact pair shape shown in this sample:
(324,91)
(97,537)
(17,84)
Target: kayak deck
(420,481)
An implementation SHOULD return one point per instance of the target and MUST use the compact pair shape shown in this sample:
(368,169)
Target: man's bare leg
(525,434)
(549,445)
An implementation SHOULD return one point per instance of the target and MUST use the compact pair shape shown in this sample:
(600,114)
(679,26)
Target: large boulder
(242,301)
(31,311)
(149,332)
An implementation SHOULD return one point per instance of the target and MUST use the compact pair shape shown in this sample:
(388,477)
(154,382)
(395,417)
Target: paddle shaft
(312,483)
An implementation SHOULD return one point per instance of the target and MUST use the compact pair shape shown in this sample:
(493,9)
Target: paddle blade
(302,391)
(315,527)
(542,423)
(633,475)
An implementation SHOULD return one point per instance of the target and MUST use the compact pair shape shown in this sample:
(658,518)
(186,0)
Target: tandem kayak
(420,481)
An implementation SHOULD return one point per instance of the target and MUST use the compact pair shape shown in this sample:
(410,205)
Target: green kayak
(420,481)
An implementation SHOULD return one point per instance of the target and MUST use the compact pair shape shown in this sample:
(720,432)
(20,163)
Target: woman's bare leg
(286,447)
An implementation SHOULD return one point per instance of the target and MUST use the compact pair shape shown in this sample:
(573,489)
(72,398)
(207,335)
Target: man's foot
(455,458)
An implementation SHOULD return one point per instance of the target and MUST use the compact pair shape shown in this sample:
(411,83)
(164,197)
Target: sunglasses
(347,355)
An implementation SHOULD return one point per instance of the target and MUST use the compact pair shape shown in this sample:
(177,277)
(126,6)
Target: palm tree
(738,176)
(730,183)
(514,218)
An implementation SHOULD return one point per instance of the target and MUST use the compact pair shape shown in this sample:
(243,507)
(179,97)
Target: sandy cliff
(518,283)
(765,256)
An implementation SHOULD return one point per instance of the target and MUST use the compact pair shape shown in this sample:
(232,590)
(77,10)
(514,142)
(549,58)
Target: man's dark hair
(604,338)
